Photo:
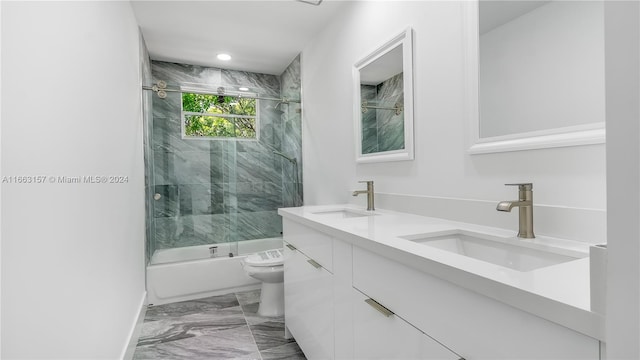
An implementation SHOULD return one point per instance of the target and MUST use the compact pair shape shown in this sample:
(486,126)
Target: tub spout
(213,251)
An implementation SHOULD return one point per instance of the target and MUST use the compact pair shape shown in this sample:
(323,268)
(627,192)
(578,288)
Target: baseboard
(134,333)
(205,294)
(579,224)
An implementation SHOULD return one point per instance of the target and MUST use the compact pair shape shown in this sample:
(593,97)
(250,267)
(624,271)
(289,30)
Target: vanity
(383,284)
(387,285)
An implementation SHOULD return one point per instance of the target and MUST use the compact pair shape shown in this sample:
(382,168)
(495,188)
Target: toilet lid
(265,258)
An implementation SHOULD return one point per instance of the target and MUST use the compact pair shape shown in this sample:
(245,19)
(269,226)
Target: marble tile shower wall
(214,191)
(390,125)
(368,93)
(291,84)
(383,130)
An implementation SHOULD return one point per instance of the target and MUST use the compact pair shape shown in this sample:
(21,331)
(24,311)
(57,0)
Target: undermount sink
(342,213)
(483,247)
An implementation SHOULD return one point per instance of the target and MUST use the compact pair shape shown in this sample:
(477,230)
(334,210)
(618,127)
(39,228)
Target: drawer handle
(376,305)
(314,263)
(291,247)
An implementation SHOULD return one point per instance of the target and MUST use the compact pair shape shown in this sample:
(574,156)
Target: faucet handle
(522,186)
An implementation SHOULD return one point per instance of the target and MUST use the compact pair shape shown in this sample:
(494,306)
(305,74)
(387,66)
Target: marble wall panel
(292,134)
(179,200)
(267,85)
(290,80)
(188,167)
(291,193)
(201,199)
(258,196)
(183,74)
(170,106)
(383,129)
(191,230)
(271,122)
(369,121)
(218,190)
(390,124)
(167,137)
(166,201)
(258,225)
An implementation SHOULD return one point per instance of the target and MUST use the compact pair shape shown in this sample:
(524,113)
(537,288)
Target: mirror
(540,75)
(383,109)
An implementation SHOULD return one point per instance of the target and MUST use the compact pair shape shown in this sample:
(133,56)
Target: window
(218,116)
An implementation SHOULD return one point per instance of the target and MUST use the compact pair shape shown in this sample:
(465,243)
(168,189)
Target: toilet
(267,266)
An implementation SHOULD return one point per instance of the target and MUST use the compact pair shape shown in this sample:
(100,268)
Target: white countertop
(559,293)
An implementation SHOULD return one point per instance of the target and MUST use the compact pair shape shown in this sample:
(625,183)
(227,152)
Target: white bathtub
(173,275)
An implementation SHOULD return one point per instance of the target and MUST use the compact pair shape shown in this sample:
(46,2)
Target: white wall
(554,57)
(72,254)
(0,190)
(622,38)
(563,177)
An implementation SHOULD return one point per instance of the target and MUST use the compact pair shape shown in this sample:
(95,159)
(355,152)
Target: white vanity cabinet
(312,243)
(380,334)
(472,325)
(328,278)
(308,303)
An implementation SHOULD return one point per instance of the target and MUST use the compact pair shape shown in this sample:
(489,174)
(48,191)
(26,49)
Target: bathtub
(190,272)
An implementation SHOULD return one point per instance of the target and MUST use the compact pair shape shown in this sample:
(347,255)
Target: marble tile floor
(217,327)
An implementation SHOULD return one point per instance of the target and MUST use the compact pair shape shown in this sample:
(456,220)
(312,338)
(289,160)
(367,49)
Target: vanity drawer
(312,243)
(380,334)
(474,325)
(308,304)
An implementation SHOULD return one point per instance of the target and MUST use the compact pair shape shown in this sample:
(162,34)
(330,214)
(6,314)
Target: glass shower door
(216,192)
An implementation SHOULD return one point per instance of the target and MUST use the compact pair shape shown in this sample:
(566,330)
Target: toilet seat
(273,257)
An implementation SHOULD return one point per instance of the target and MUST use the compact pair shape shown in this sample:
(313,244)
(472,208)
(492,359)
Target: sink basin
(495,251)
(342,214)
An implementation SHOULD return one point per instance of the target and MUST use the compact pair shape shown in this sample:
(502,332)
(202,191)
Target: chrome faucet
(369,193)
(525,203)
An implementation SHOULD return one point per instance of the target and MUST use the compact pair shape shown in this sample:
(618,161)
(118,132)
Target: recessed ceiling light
(224,57)
(243,88)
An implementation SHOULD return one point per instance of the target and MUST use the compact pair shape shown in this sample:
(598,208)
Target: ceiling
(382,68)
(495,13)
(262,36)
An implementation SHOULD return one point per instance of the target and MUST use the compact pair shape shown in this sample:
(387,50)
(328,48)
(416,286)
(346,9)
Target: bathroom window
(218,116)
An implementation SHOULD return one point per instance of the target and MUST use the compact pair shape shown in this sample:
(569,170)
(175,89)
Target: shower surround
(211,191)
(383,129)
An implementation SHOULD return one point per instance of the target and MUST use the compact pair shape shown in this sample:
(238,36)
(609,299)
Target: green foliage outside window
(237,116)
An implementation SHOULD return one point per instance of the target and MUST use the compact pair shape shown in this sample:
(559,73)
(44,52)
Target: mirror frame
(587,134)
(405,39)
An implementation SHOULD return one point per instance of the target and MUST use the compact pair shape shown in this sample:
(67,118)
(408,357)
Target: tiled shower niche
(209,191)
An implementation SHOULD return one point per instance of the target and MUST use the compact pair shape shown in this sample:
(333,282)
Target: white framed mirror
(536,74)
(383,101)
